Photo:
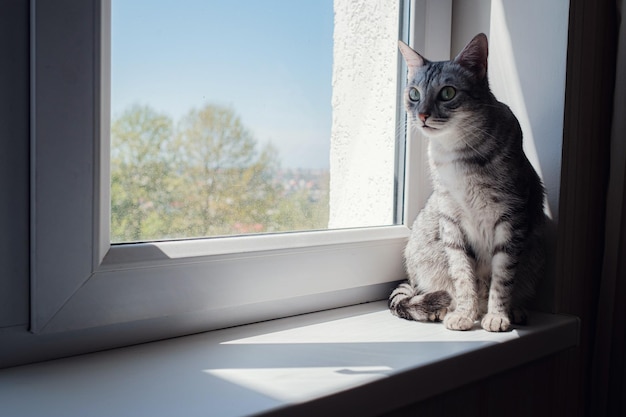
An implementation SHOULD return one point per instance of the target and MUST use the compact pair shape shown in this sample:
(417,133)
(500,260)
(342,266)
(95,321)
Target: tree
(204,177)
(304,201)
(141,180)
(230,179)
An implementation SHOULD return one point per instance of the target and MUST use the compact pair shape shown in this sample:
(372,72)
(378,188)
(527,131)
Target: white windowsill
(358,360)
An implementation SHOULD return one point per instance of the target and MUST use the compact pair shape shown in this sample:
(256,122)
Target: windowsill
(317,364)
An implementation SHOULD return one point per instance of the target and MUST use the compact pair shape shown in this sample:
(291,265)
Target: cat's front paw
(458,321)
(493,322)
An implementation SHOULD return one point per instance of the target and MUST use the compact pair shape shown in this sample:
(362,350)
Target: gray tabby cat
(477,248)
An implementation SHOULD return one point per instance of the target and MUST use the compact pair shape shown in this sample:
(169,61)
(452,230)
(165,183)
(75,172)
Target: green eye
(447,93)
(414,94)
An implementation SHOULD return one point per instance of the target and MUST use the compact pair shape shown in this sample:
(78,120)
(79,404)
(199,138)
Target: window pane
(250,117)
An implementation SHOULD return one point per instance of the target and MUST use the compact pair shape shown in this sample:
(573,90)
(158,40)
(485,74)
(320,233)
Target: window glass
(231,118)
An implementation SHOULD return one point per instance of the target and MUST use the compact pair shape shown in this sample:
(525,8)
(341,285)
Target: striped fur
(477,248)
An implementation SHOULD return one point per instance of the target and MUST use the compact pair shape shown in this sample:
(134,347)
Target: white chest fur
(468,197)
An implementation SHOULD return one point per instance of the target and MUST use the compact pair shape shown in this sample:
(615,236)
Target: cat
(476,250)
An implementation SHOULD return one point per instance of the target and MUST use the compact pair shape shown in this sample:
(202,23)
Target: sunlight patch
(299,384)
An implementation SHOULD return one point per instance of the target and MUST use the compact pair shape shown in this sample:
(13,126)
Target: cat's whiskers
(466,128)
(475,129)
(495,106)
(403,128)
(474,149)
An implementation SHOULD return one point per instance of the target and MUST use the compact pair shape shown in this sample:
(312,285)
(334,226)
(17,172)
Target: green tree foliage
(141,174)
(204,177)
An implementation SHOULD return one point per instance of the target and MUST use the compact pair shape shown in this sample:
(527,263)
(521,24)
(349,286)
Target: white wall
(528,52)
(362,154)
(469,17)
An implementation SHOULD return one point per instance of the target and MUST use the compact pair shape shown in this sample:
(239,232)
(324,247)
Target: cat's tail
(405,302)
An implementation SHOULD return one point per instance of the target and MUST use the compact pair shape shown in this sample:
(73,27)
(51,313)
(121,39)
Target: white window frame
(80,281)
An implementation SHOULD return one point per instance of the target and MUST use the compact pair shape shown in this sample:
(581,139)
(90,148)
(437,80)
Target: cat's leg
(461,271)
(508,245)
(406,303)
(530,269)
(427,296)
(483,275)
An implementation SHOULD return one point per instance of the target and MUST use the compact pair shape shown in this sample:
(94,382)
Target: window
(80,281)
(229,120)
(221,117)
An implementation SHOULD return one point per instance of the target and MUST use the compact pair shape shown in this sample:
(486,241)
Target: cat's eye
(414,94)
(447,93)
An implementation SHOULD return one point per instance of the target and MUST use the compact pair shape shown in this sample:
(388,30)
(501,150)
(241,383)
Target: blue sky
(270,61)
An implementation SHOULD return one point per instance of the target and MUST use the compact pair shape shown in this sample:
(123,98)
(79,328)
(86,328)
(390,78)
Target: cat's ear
(474,56)
(413,60)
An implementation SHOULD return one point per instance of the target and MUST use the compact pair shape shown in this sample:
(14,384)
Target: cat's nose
(423,117)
